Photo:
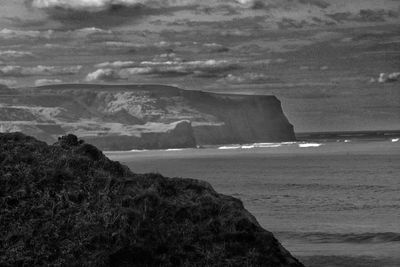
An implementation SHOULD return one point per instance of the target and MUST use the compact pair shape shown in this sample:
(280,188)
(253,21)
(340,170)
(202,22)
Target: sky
(334,64)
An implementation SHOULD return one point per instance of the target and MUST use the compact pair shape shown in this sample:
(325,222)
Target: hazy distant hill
(124,117)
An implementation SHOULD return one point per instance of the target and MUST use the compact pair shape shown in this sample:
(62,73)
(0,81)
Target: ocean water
(330,203)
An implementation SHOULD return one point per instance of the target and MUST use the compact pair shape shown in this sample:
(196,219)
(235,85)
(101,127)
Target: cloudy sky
(322,58)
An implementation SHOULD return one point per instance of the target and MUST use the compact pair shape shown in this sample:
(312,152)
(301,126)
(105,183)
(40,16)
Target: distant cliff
(124,117)
(69,205)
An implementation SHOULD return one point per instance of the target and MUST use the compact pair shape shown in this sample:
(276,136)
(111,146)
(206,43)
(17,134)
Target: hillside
(68,205)
(124,117)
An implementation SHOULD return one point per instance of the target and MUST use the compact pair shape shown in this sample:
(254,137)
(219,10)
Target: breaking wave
(306,145)
(229,147)
(258,145)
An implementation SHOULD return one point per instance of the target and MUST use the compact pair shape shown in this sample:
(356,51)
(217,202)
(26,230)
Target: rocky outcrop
(143,116)
(68,205)
(180,136)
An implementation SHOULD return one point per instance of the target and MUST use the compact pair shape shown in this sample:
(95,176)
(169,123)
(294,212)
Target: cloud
(85,33)
(18,34)
(91,30)
(176,67)
(379,15)
(365,15)
(292,14)
(113,12)
(276,13)
(116,64)
(387,77)
(15,54)
(100,5)
(304,68)
(88,5)
(94,34)
(259,4)
(8,83)
(142,46)
(214,48)
(95,12)
(118,44)
(248,78)
(103,75)
(236,33)
(39,70)
(42,82)
(115,71)
(126,73)
(263,63)
(200,68)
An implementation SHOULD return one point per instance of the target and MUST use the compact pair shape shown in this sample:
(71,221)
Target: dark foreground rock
(68,205)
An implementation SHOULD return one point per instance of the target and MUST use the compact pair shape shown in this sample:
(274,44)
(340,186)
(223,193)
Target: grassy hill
(68,205)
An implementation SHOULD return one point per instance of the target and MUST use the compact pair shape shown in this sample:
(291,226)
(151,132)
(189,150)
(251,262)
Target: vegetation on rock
(68,205)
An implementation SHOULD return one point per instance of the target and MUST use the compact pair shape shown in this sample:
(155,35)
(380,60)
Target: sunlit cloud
(387,77)
(116,64)
(18,34)
(248,78)
(15,54)
(8,82)
(41,82)
(101,75)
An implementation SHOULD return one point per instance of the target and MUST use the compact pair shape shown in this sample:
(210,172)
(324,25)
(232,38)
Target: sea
(331,199)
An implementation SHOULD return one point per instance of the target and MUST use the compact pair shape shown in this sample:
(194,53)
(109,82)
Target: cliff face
(245,118)
(180,136)
(68,205)
(127,117)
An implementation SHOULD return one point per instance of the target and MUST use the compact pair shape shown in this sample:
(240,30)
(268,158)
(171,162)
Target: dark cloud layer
(114,15)
(283,13)
(262,4)
(75,13)
(99,5)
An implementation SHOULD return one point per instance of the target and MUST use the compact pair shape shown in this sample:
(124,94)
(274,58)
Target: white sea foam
(266,145)
(257,145)
(269,145)
(229,147)
(309,145)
